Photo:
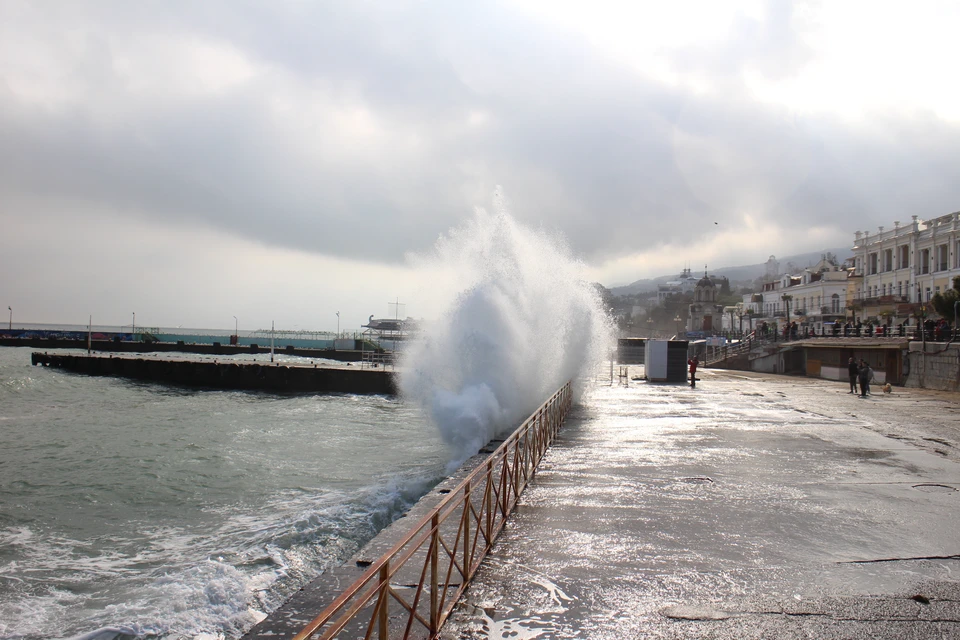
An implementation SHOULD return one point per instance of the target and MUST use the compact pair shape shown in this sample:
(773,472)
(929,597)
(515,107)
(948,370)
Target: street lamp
(10,309)
(236,324)
(650,326)
(338,324)
(678,320)
(133,326)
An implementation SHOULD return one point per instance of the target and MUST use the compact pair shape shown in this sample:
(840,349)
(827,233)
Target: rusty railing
(410,591)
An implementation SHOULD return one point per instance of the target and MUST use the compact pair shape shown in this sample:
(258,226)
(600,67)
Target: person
(865,375)
(693,362)
(853,370)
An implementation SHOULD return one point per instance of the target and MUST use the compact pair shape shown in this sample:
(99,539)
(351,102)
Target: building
(705,313)
(815,298)
(684,283)
(904,267)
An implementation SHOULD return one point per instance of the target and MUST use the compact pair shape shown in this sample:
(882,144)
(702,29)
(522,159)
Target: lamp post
(786,301)
(10,309)
(338,324)
(236,325)
(650,327)
(678,320)
(133,326)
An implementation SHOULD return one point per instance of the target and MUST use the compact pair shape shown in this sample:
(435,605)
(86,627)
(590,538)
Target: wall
(938,368)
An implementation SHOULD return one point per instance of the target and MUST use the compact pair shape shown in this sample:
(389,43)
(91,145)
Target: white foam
(517,320)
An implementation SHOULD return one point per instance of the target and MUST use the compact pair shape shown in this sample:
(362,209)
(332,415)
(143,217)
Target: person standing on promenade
(693,362)
(865,375)
(853,370)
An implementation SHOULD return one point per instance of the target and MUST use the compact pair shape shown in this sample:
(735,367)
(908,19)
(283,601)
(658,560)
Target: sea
(135,510)
(130,509)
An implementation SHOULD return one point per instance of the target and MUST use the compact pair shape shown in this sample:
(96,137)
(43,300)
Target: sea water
(131,509)
(134,509)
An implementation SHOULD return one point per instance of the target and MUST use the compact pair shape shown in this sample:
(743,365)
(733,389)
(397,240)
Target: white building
(817,295)
(904,267)
(684,283)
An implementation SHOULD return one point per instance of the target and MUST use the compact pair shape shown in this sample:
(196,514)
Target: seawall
(935,365)
(215,349)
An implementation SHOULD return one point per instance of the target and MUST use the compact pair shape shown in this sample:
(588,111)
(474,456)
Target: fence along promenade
(414,586)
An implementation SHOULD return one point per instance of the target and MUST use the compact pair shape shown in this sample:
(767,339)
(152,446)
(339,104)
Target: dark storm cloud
(611,157)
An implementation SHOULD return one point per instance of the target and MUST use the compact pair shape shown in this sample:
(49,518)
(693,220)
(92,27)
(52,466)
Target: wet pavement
(753,506)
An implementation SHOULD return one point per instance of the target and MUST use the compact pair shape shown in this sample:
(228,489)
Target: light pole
(338,324)
(678,320)
(133,326)
(10,309)
(786,301)
(236,324)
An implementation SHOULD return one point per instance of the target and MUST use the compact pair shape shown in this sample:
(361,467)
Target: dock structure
(229,374)
(212,349)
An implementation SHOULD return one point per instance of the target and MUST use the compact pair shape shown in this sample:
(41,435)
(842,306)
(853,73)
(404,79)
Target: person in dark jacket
(853,370)
(865,375)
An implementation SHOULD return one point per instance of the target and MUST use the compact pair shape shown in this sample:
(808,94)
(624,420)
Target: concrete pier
(214,349)
(229,374)
(754,506)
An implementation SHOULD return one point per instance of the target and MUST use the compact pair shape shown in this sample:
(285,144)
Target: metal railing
(412,589)
(720,354)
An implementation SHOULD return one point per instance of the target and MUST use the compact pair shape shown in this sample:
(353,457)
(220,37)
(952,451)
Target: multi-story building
(683,284)
(816,296)
(904,267)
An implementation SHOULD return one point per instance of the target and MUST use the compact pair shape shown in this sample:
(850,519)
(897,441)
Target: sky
(206,164)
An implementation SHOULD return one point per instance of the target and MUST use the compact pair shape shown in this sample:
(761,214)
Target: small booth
(666,360)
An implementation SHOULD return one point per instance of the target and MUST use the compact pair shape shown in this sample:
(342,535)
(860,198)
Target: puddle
(933,487)
(688,612)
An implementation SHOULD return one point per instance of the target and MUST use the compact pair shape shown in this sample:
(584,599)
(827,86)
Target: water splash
(517,320)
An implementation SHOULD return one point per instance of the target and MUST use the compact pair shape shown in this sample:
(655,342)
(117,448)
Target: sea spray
(516,321)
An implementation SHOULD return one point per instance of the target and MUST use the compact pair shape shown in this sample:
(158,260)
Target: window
(942,257)
(872,266)
(923,265)
(835,303)
(903,260)
(888,260)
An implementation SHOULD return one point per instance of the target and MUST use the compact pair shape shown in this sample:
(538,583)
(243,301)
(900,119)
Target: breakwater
(214,349)
(283,377)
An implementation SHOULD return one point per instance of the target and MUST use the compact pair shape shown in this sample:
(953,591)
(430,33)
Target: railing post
(434,575)
(466,532)
(489,502)
(382,618)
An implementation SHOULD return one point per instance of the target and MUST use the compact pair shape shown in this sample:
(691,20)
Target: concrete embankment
(753,506)
(229,375)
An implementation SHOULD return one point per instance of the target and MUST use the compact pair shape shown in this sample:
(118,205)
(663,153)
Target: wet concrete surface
(753,506)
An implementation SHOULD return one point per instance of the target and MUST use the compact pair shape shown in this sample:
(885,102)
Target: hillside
(741,274)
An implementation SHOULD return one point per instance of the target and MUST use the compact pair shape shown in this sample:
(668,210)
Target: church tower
(704,312)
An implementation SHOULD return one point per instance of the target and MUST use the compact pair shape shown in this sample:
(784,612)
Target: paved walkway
(750,507)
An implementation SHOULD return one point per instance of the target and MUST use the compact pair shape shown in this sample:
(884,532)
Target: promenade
(753,506)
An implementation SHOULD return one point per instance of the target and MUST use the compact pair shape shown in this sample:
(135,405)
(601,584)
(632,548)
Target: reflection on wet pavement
(751,506)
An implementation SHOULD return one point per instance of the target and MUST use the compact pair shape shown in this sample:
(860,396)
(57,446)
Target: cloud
(363,132)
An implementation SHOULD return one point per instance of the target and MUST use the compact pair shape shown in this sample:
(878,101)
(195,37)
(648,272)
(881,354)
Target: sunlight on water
(518,320)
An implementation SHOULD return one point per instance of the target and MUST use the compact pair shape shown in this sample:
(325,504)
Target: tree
(945,303)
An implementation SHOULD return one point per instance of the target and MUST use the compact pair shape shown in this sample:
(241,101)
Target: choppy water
(152,511)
